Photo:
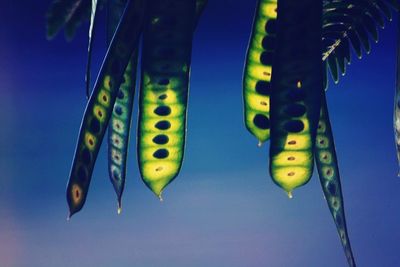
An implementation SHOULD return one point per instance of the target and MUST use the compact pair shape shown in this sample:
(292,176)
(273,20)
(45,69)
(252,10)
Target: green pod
(120,122)
(258,70)
(101,102)
(167,45)
(297,87)
(119,130)
(328,170)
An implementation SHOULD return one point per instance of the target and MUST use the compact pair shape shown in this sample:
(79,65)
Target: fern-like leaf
(60,12)
(354,22)
(68,14)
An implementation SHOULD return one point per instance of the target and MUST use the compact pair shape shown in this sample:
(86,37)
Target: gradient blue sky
(223,210)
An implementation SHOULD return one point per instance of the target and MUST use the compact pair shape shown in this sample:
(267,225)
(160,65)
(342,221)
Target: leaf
(334,69)
(68,14)
(355,21)
(60,12)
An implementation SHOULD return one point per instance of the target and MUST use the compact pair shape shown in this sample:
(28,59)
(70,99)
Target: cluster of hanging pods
(284,83)
(165,28)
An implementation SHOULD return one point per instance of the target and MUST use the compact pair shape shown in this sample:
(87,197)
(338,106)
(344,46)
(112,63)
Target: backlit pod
(297,88)
(328,170)
(101,103)
(258,69)
(119,130)
(167,44)
(120,122)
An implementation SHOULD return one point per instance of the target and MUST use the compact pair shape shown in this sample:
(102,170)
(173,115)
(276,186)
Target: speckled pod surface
(328,170)
(120,122)
(100,105)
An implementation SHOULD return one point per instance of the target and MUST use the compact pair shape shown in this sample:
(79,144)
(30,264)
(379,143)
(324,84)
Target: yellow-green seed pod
(297,87)
(167,45)
(258,70)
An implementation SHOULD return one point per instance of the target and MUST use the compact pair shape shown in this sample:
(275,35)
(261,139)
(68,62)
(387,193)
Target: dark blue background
(223,209)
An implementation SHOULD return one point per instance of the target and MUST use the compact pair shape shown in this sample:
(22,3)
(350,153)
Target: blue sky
(223,209)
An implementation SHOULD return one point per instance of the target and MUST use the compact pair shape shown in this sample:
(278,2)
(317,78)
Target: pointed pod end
(290,195)
(157,187)
(119,208)
(72,211)
(160,197)
(398,174)
(260,143)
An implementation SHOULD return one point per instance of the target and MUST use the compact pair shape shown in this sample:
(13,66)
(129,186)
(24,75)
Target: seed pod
(119,130)
(297,86)
(258,70)
(120,122)
(167,45)
(101,103)
(328,170)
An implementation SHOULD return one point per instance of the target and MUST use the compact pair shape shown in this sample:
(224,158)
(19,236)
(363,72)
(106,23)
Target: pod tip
(259,143)
(72,211)
(160,197)
(290,195)
(119,209)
